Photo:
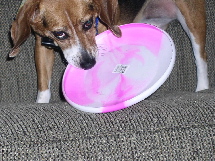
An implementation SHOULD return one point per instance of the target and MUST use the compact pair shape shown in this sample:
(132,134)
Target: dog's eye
(61,35)
(88,24)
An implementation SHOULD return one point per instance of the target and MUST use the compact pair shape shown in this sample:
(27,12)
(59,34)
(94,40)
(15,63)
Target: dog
(71,24)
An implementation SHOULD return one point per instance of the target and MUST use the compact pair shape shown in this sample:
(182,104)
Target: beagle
(71,24)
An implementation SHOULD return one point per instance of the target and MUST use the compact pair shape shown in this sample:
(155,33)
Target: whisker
(102,50)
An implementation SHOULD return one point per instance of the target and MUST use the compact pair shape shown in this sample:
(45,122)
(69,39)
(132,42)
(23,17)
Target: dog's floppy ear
(21,28)
(108,13)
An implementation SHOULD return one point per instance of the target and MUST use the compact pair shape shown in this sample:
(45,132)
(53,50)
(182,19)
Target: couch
(174,123)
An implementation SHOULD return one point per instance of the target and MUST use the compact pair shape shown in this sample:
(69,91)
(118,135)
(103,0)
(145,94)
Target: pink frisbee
(128,70)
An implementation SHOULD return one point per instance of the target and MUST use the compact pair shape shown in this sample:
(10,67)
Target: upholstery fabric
(175,123)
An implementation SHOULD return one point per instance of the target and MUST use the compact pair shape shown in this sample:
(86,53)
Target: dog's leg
(44,59)
(157,12)
(193,22)
(191,15)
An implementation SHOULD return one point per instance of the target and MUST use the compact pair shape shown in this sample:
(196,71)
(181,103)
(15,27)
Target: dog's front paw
(43,96)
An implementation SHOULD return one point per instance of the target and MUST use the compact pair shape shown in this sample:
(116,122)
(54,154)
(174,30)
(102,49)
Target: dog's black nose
(87,63)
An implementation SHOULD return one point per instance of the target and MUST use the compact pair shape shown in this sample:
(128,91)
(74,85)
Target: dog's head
(70,23)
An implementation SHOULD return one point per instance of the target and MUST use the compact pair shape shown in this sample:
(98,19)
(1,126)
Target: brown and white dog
(71,24)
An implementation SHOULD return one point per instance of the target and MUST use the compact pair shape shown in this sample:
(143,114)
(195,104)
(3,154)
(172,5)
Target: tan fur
(44,16)
(47,16)
(44,64)
(194,11)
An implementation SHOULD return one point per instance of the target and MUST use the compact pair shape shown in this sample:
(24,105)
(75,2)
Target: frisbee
(128,70)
